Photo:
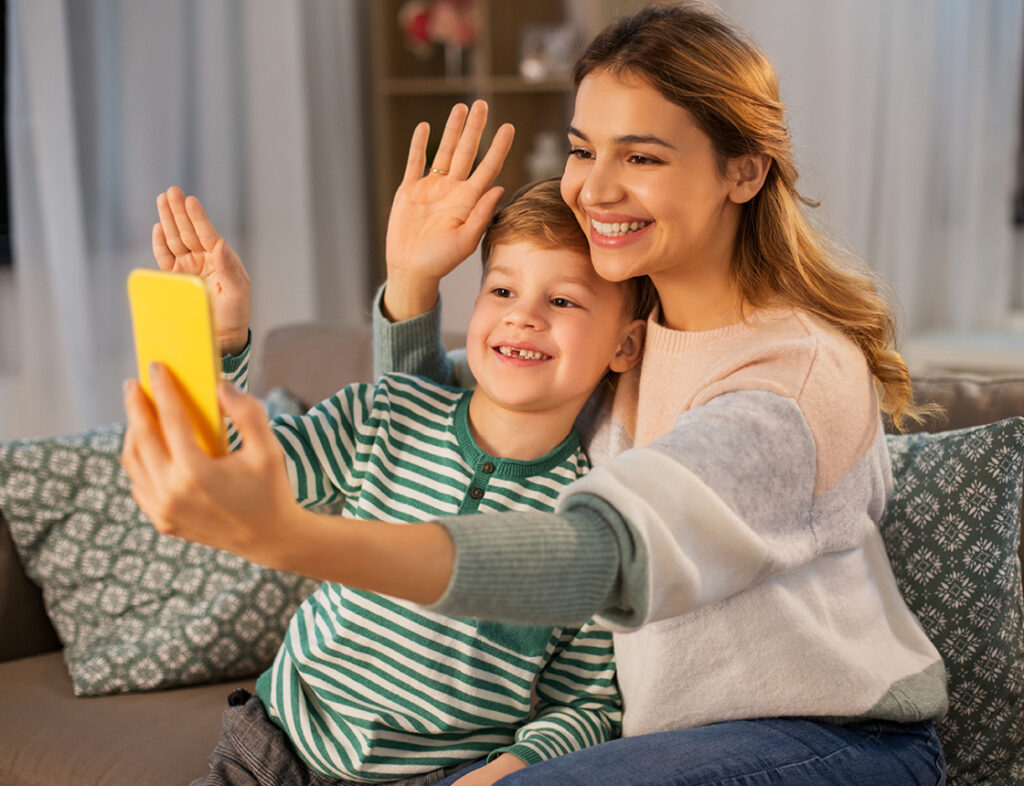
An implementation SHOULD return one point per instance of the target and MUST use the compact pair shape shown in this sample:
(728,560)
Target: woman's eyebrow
(627,139)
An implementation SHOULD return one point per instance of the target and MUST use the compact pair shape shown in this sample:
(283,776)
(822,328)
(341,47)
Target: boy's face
(545,328)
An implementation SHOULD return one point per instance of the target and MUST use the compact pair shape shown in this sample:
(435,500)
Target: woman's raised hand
(438,217)
(185,241)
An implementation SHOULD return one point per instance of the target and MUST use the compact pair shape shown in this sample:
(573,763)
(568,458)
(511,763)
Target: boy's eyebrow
(508,270)
(627,139)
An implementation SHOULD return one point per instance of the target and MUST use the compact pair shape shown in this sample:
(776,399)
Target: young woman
(762,637)
(728,533)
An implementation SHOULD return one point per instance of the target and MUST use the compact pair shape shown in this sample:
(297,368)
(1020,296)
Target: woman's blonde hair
(698,60)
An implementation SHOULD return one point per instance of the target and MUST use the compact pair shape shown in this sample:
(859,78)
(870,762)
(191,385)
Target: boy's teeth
(525,354)
(617,229)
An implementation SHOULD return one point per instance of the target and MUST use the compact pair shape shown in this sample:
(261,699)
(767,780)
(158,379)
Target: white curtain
(254,105)
(905,116)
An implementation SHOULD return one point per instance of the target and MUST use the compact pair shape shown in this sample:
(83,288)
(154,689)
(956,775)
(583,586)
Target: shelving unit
(407,89)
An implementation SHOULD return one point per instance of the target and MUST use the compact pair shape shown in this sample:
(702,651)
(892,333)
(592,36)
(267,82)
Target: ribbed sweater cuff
(533,568)
(412,346)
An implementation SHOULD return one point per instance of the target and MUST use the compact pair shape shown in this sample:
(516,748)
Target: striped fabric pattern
(373,689)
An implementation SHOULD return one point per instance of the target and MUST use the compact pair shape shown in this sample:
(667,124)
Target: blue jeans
(781,751)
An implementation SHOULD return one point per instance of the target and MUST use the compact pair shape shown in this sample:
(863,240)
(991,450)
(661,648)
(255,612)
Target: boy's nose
(524,315)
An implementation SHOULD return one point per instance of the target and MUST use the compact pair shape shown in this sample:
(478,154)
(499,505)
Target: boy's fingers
(164,257)
(170,226)
(449,139)
(227,263)
(172,414)
(207,234)
(469,141)
(187,232)
(487,170)
(417,153)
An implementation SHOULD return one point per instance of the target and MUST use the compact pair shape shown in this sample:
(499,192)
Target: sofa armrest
(26,628)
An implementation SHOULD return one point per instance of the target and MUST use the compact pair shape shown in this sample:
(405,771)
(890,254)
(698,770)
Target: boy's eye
(501,292)
(562,302)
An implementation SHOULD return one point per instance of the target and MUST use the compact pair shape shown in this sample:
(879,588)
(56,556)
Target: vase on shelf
(455,57)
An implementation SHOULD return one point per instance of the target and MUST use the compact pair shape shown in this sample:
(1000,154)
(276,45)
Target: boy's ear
(747,174)
(630,347)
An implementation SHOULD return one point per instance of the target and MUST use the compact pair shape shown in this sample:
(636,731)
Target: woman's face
(645,185)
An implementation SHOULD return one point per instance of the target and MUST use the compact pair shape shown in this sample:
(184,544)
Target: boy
(370,689)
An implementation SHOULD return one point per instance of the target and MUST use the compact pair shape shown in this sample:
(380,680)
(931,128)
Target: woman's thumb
(246,413)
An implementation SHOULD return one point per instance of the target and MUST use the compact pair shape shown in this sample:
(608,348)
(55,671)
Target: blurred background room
(290,119)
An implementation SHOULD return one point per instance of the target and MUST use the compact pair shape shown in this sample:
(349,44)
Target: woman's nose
(602,185)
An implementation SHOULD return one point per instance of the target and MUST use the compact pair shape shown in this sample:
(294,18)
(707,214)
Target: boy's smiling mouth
(521,353)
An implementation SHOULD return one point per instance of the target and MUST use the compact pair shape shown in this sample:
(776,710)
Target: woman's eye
(579,152)
(636,158)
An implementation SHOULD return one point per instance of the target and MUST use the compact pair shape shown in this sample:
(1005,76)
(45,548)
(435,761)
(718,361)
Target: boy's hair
(538,215)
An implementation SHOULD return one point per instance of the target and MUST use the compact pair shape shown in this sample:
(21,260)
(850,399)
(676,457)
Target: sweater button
(488,467)
(476,493)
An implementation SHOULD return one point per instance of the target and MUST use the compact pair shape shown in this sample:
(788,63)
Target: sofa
(130,724)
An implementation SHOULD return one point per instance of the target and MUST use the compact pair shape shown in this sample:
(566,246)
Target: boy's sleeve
(235,369)
(578,701)
(326,450)
(414,347)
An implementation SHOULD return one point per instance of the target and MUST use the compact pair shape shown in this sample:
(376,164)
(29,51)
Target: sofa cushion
(952,529)
(145,739)
(135,610)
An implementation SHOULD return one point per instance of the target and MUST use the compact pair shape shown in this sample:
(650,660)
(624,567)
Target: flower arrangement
(452,23)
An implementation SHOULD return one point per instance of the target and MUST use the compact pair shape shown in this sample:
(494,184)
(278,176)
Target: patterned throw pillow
(951,530)
(135,610)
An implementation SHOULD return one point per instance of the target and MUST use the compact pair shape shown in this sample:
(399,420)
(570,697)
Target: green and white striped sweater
(373,689)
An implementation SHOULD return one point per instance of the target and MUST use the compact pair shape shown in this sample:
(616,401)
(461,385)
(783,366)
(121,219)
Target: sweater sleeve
(717,504)
(578,701)
(414,347)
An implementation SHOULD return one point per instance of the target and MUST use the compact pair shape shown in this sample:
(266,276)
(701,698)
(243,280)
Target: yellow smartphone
(172,317)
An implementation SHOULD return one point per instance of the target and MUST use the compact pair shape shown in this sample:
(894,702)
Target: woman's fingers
(449,139)
(172,415)
(417,153)
(249,417)
(461,162)
(143,453)
(487,170)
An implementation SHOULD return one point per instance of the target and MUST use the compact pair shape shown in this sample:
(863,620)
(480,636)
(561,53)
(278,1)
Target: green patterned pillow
(951,530)
(135,610)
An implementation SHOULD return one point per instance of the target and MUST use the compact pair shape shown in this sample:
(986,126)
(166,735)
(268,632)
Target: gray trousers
(253,751)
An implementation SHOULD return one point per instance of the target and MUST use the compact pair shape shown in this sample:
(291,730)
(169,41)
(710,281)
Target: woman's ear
(747,174)
(631,346)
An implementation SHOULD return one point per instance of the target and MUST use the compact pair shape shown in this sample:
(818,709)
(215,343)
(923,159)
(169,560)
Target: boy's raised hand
(185,241)
(438,218)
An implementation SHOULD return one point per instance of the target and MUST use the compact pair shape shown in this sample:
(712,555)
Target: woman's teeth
(525,354)
(617,228)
